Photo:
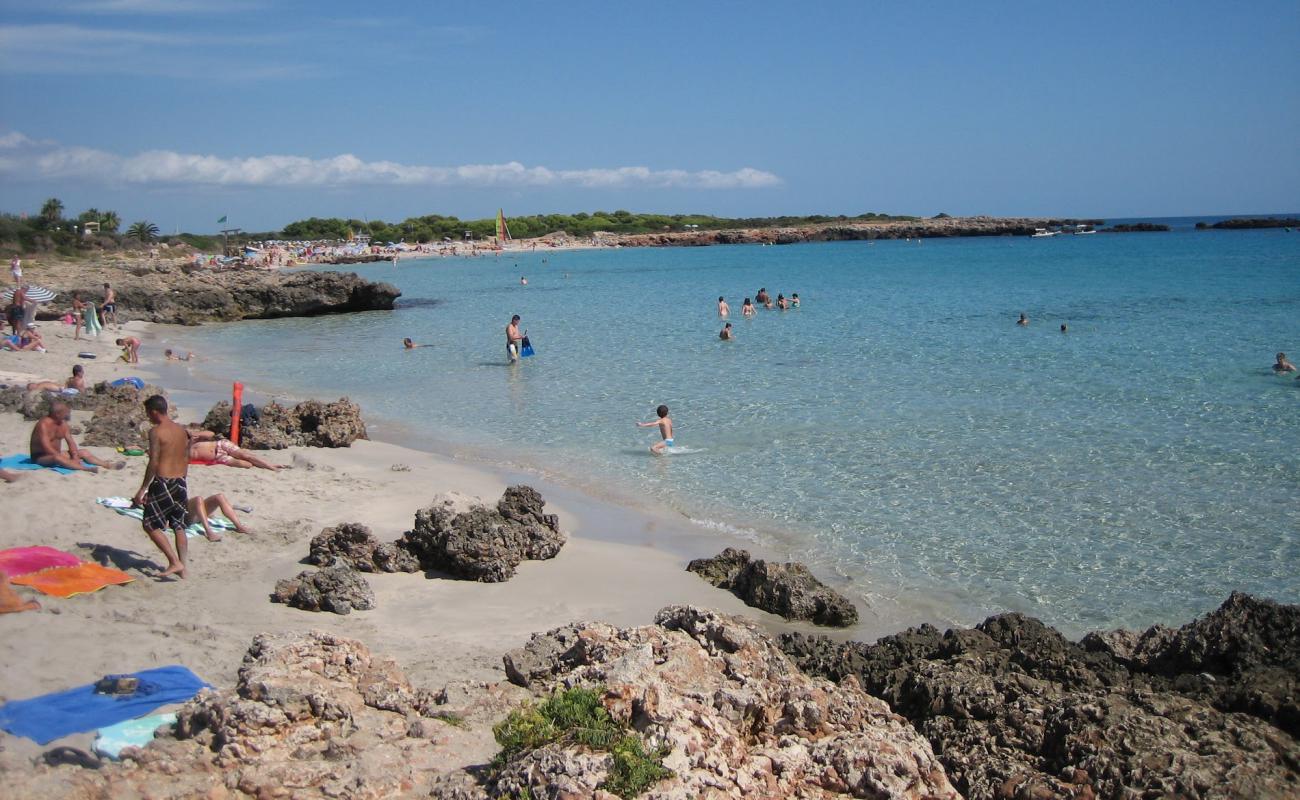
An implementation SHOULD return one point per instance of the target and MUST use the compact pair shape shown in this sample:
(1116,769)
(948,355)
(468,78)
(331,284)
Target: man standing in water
(163,492)
(723,309)
(513,338)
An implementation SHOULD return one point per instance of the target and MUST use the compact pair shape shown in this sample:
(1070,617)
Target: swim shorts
(109,308)
(165,504)
(512,350)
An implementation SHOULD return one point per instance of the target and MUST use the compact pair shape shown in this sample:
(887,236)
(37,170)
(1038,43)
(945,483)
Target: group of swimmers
(748,309)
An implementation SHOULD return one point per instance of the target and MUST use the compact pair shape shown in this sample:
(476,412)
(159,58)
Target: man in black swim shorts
(163,494)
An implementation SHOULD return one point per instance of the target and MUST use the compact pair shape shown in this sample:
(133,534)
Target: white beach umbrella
(35,294)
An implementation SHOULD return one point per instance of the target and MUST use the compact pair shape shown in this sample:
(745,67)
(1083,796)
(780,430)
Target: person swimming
(1023,321)
(725,333)
(1282,365)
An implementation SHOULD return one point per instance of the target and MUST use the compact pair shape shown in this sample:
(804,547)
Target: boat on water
(1083,230)
(1043,233)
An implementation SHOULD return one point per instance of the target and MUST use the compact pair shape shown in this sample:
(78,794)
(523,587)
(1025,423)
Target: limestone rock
(308,424)
(119,419)
(355,546)
(789,590)
(1015,710)
(737,719)
(484,544)
(337,589)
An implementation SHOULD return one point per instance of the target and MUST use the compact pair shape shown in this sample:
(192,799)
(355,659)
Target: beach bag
(249,416)
(526,349)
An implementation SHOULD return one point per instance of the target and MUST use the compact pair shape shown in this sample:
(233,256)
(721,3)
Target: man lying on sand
(207,446)
(200,508)
(51,433)
(76,381)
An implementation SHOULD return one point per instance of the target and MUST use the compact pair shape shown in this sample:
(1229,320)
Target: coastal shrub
(576,716)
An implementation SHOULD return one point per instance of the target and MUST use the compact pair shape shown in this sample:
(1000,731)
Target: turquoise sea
(898,430)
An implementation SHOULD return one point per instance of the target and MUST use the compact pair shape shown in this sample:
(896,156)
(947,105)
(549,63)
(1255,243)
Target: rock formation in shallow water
(338,589)
(789,590)
(310,423)
(354,545)
(1013,709)
(484,544)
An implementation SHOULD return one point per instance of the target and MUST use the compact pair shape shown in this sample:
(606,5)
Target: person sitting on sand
(51,433)
(163,494)
(199,509)
(725,333)
(206,446)
(723,309)
(1023,321)
(75,384)
(27,341)
(665,425)
(747,309)
(1282,365)
(130,349)
(172,355)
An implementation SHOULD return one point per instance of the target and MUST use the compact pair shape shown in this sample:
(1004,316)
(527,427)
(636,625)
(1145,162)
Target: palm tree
(109,222)
(143,230)
(52,210)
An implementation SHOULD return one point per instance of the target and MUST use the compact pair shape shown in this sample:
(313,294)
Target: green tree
(109,222)
(52,211)
(143,230)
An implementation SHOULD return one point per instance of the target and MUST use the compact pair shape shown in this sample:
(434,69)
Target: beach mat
(123,506)
(53,716)
(24,560)
(138,732)
(21,461)
(69,581)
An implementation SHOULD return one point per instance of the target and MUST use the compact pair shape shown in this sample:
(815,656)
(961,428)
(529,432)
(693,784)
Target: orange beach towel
(67,581)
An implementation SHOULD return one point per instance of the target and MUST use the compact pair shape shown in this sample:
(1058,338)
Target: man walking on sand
(163,494)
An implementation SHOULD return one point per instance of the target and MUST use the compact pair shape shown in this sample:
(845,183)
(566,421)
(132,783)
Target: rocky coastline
(939,227)
(1253,223)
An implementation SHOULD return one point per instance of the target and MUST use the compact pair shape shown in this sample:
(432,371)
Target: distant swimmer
(1023,321)
(725,333)
(723,309)
(747,309)
(781,302)
(794,300)
(513,339)
(1282,365)
(665,425)
(523,281)
(1065,328)
(762,297)
(174,356)
(410,345)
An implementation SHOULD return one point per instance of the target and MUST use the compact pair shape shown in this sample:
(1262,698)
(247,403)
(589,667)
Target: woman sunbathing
(207,447)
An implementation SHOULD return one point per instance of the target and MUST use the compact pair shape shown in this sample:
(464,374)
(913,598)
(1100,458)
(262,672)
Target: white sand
(442,632)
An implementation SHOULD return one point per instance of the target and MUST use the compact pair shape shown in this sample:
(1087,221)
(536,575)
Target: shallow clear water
(898,429)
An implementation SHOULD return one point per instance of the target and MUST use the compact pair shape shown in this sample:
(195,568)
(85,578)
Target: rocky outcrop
(848,230)
(1015,710)
(481,543)
(1251,224)
(310,423)
(168,294)
(789,590)
(731,714)
(1136,227)
(339,589)
(353,545)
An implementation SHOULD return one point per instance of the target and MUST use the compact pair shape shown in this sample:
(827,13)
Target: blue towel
(53,716)
(136,382)
(21,461)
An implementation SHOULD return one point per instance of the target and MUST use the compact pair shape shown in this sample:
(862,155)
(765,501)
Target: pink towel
(24,560)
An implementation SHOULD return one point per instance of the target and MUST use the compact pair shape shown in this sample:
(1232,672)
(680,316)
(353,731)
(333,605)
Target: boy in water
(725,333)
(665,425)
(723,308)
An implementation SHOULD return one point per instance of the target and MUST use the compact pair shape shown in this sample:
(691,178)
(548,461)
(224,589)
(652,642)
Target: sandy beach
(442,632)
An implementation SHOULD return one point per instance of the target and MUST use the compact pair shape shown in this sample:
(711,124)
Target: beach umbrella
(35,294)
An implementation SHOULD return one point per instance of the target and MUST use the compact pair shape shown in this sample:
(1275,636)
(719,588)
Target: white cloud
(23,157)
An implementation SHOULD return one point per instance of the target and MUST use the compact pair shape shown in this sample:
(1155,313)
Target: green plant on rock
(577,716)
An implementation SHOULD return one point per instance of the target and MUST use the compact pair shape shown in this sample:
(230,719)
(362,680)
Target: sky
(180,112)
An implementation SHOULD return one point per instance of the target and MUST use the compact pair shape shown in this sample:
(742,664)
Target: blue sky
(181,111)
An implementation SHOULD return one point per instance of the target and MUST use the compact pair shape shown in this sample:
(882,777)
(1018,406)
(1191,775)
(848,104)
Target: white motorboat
(1043,233)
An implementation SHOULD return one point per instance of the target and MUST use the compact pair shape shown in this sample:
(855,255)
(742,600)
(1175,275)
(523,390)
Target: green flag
(223,219)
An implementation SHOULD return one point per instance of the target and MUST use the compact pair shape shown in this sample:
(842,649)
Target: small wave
(740,532)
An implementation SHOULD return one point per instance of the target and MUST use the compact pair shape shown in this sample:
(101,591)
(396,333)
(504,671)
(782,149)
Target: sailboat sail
(503,230)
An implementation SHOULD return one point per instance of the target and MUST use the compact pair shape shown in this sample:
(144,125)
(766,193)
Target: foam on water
(899,428)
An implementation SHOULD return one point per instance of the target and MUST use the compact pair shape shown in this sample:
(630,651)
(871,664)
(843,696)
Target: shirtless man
(77,381)
(1283,366)
(199,509)
(207,446)
(723,309)
(513,338)
(725,333)
(109,306)
(49,436)
(162,493)
(763,298)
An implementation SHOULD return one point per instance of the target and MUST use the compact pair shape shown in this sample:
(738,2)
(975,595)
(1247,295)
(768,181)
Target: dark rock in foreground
(337,589)
(173,295)
(310,423)
(1013,709)
(789,590)
(485,544)
(354,545)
